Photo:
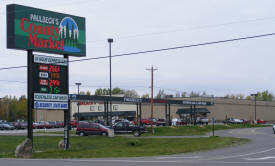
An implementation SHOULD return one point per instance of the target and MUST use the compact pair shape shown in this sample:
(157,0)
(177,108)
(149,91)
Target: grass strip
(195,130)
(102,147)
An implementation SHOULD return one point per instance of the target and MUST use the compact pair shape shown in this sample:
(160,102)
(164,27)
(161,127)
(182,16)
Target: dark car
(127,127)
(161,122)
(87,128)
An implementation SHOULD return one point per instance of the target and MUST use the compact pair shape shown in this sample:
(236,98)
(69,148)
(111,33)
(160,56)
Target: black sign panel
(50,75)
(50,82)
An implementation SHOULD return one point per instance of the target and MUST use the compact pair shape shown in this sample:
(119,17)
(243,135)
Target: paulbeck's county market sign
(45,31)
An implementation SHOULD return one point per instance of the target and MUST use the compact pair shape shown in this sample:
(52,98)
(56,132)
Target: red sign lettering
(54,83)
(54,69)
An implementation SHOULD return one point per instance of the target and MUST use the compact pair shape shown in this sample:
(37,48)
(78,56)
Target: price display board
(50,82)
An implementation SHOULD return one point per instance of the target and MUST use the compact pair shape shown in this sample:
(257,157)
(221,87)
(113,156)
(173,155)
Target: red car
(260,121)
(146,121)
(86,128)
(74,123)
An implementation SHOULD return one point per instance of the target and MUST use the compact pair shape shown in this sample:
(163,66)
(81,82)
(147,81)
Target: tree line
(13,108)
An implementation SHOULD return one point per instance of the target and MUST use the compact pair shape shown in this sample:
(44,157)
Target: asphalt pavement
(259,152)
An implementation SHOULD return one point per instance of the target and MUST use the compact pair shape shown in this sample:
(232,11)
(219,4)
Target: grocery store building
(97,107)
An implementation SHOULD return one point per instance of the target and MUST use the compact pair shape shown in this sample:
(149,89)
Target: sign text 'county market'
(45,31)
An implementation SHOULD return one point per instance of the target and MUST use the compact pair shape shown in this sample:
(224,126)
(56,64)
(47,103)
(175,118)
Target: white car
(273,129)
(174,121)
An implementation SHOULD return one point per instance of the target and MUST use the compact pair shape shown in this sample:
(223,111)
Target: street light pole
(78,84)
(255,95)
(110,41)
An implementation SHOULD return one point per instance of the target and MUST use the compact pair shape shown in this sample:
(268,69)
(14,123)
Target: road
(259,152)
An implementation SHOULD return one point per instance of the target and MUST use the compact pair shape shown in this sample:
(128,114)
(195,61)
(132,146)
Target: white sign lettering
(50,97)
(43,75)
(50,60)
(50,105)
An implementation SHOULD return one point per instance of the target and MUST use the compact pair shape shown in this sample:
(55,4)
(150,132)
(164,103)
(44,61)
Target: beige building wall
(48,115)
(242,109)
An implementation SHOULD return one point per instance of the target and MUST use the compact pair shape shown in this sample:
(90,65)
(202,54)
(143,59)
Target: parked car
(174,121)
(20,124)
(234,121)
(53,124)
(74,123)
(59,124)
(133,122)
(5,126)
(260,121)
(202,121)
(245,121)
(146,121)
(273,128)
(178,122)
(42,125)
(127,127)
(87,128)
(161,122)
(35,125)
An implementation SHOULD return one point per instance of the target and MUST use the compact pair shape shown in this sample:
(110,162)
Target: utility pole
(152,93)
(255,112)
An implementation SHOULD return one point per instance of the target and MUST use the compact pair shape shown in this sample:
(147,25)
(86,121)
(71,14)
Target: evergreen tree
(67,33)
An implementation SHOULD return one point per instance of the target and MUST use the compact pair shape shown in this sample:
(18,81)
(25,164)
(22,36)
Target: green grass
(194,130)
(53,132)
(98,147)
(178,130)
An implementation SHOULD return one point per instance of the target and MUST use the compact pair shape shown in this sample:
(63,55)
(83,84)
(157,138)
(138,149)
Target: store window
(115,107)
(92,108)
(100,108)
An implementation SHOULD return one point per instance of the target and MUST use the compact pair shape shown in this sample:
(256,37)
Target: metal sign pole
(67,113)
(30,94)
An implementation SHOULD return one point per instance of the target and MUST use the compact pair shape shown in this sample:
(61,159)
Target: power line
(15,67)
(163,49)
(173,48)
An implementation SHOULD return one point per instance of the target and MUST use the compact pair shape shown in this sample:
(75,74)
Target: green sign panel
(45,31)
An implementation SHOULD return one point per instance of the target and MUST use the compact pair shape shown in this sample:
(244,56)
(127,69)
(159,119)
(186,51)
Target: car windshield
(101,126)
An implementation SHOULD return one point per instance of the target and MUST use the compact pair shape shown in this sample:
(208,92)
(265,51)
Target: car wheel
(136,133)
(81,134)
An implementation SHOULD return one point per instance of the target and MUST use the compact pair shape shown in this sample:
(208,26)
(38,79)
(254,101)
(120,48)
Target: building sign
(50,105)
(45,31)
(50,82)
(204,103)
(50,97)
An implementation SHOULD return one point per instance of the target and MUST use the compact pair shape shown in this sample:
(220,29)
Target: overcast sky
(240,67)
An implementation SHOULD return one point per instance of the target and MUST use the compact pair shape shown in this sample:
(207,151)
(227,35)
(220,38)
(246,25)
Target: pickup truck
(161,122)
(124,127)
